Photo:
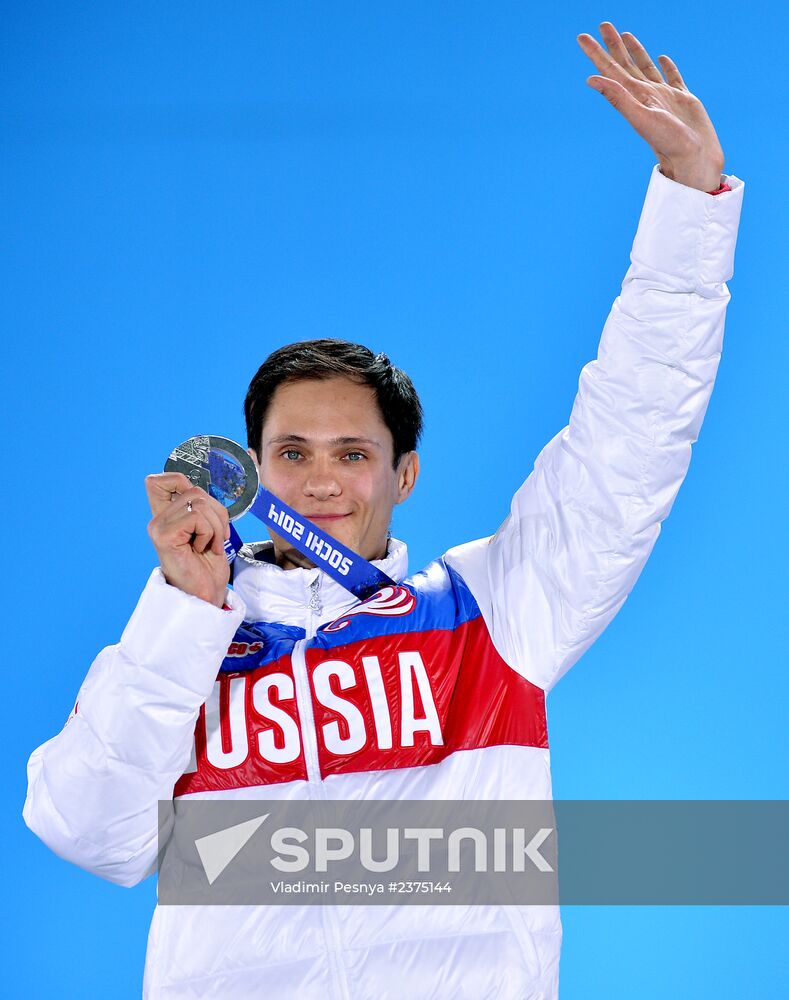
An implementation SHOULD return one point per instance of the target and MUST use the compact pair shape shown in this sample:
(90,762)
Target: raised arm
(583,524)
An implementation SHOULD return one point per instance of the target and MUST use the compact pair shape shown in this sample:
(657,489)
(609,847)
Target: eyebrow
(337,442)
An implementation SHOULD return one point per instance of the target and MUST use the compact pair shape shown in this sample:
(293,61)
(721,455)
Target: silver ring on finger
(189,506)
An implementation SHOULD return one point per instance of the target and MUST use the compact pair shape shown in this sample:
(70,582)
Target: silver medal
(219,466)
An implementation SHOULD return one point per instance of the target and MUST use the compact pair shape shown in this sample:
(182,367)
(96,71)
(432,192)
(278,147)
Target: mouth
(326,517)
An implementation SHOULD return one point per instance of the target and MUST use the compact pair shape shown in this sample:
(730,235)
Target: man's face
(326,451)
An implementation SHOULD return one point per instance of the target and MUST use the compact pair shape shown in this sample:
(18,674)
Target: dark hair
(324,359)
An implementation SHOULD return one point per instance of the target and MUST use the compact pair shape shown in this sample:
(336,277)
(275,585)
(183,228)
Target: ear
(407,475)
(253,456)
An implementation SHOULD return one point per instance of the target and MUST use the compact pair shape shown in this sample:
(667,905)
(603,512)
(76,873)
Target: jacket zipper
(309,733)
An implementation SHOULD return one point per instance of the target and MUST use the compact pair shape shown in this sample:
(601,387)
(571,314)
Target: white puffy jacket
(443,684)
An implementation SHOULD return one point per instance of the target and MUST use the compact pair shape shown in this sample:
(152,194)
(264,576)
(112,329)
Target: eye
(355,456)
(291,455)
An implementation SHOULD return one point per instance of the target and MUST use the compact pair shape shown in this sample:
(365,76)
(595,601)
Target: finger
(190,499)
(217,520)
(179,506)
(628,106)
(195,522)
(616,48)
(673,75)
(218,513)
(203,531)
(181,528)
(607,66)
(195,513)
(161,487)
(224,518)
(641,58)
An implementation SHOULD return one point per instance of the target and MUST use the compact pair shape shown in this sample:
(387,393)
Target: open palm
(658,105)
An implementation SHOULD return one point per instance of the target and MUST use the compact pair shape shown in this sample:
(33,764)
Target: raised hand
(658,105)
(188,530)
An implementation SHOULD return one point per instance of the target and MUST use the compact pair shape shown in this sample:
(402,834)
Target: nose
(322,482)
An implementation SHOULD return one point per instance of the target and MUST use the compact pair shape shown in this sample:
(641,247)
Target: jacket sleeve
(93,789)
(582,526)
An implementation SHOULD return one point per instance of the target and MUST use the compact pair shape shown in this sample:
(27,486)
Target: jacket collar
(272,594)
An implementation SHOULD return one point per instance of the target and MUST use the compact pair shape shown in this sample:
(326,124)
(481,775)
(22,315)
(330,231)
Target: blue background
(186,186)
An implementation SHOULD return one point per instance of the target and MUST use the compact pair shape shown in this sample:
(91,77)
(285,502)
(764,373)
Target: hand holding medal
(189,529)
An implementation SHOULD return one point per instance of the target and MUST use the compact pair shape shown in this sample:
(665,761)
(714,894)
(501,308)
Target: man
(323,698)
